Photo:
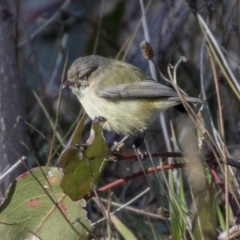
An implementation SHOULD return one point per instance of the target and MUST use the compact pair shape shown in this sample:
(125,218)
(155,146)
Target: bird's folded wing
(144,89)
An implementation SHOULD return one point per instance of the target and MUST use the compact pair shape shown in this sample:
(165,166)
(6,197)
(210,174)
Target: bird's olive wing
(144,89)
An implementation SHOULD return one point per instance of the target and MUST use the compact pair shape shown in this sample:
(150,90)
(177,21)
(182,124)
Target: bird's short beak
(67,84)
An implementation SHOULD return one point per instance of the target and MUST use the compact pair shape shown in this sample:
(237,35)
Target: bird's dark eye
(84,77)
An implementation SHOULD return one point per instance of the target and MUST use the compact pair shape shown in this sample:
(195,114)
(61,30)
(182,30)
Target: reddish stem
(133,176)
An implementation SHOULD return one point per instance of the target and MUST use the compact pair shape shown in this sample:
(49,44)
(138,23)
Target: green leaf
(122,228)
(176,206)
(78,131)
(28,210)
(82,167)
(177,203)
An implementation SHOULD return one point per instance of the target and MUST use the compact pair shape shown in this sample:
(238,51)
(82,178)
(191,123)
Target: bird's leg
(117,149)
(138,142)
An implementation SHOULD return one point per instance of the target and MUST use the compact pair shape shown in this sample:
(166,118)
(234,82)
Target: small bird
(126,98)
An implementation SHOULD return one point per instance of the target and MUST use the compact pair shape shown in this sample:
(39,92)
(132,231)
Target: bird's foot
(119,146)
(139,153)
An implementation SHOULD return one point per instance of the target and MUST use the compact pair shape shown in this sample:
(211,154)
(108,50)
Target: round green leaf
(29,212)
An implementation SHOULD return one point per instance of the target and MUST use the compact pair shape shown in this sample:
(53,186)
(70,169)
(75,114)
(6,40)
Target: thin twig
(99,28)
(230,197)
(122,206)
(147,37)
(13,167)
(48,117)
(57,114)
(222,136)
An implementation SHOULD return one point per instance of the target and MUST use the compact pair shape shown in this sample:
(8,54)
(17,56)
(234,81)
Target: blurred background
(51,34)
